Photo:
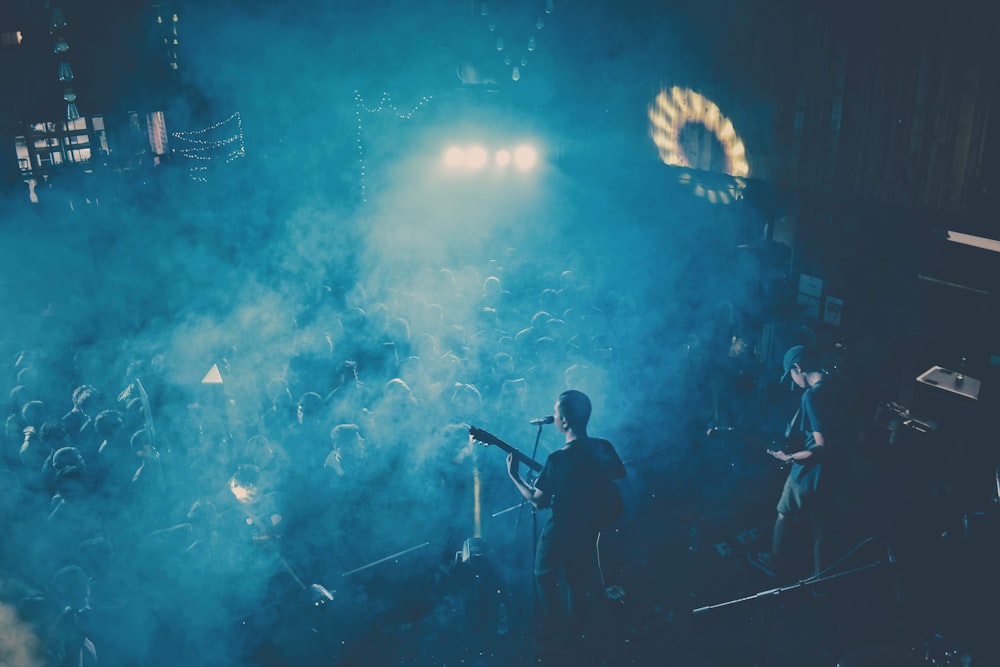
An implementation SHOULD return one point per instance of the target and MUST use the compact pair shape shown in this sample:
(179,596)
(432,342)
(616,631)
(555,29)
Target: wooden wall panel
(889,102)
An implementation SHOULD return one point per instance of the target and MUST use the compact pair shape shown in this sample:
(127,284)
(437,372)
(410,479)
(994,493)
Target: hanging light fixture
(61,46)
(72,113)
(65,72)
(58,19)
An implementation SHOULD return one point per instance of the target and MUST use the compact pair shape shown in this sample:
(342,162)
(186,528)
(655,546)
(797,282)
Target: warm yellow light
(453,157)
(525,157)
(671,111)
(475,157)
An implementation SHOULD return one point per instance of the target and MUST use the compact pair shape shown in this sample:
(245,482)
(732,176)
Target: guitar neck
(489,439)
(520,456)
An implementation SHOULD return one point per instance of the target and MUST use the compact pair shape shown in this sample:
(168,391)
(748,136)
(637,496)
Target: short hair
(344,434)
(246,474)
(140,439)
(70,584)
(575,408)
(83,394)
(108,421)
(311,403)
(65,458)
(18,396)
(53,431)
(34,412)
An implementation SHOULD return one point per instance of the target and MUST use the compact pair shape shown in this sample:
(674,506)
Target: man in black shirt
(807,491)
(577,483)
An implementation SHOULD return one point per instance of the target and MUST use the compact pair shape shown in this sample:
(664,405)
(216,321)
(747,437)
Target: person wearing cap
(806,493)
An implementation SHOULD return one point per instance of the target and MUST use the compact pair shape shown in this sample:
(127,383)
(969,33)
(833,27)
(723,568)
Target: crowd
(146,516)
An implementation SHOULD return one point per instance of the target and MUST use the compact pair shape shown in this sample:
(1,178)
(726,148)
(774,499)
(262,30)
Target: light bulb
(61,46)
(549,6)
(69,95)
(499,43)
(531,43)
(516,74)
(58,19)
(539,23)
(65,71)
(71,112)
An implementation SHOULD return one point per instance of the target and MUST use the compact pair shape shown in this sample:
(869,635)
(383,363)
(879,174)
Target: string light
(200,147)
(384,104)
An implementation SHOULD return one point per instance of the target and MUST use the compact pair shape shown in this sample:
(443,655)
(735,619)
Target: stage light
(454,157)
(475,157)
(671,112)
(525,157)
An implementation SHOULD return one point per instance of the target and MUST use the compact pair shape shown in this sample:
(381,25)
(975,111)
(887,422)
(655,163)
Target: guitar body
(771,447)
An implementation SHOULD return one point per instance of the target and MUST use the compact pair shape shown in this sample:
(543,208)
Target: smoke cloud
(338,275)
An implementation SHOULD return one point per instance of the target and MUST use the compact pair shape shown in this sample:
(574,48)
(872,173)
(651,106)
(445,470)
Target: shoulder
(829,390)
(601,447)
(561,454)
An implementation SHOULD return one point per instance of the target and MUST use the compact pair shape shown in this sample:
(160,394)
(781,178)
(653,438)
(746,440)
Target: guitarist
(577,484)
(806,495)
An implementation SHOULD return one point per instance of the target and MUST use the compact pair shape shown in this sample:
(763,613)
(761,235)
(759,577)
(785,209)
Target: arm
(617,468)
(803,455)
(533,495)
(817,411)
(815,450)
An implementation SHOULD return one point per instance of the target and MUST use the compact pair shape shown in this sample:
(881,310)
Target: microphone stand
(772,595)
(534,520)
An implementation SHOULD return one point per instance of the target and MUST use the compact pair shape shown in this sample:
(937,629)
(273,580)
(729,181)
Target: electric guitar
(487,438)
(610,504)
(770,446)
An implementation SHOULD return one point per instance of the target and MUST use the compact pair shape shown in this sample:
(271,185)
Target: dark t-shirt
(578,478)
(822,412)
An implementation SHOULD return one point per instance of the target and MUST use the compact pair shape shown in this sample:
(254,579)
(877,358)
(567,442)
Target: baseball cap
(803,355)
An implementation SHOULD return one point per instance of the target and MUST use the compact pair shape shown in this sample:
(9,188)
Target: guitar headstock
(482,436)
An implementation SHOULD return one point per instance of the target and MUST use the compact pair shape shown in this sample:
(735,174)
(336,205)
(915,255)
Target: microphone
(548,419)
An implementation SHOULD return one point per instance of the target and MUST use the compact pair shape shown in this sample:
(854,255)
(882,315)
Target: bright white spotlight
(454,157)
(525,157)
(503,158)
(475,157)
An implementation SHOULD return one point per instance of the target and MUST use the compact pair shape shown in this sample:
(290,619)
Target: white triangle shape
(213,376)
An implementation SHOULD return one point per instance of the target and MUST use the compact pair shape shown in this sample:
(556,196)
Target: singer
(812,474)
(577,483)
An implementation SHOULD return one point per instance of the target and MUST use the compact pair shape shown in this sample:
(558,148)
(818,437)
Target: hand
(780,455)
(126,393)
(512,465)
